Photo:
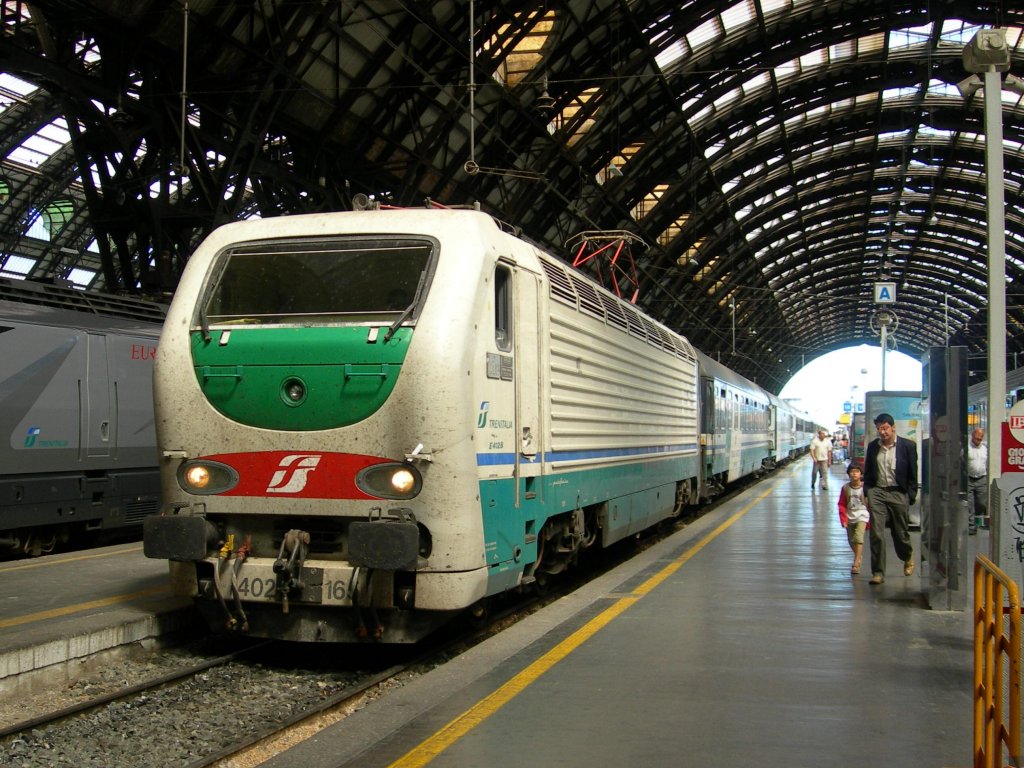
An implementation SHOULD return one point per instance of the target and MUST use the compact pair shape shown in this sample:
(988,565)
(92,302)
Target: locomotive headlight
(390,481)
(403,481)
(198,477)
(206,477)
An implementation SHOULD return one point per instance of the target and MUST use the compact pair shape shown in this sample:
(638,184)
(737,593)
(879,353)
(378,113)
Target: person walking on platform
(853,514)
(890,477)
(977,482)
(821,458)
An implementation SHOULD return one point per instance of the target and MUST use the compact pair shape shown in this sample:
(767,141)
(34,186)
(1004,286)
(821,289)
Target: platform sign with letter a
(885,293)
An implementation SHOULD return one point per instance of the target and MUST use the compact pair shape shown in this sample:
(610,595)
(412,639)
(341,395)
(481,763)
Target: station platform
(61,608)
(742,639)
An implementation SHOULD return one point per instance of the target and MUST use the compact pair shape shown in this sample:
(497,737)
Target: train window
(503,308)
(361,279)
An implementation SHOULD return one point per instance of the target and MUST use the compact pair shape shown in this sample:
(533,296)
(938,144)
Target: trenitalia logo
(296,474)
(293,473)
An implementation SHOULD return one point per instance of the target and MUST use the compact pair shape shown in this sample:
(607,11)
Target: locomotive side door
(529,432)
(97,427)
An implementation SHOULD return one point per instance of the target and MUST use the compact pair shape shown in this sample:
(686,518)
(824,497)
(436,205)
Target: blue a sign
(885,293)
(847,407)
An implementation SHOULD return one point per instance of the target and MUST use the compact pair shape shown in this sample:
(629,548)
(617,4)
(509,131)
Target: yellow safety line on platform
(56,613)
(75,559)
(425,752)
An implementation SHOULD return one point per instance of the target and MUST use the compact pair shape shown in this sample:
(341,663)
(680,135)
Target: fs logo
(31,435)
(481,420)
(292,473)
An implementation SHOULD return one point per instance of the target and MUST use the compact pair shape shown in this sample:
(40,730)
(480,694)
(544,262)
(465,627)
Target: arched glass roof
(777,157)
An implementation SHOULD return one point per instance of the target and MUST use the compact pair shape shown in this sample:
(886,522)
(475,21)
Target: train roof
(720,371)
(58,305)
(979,391)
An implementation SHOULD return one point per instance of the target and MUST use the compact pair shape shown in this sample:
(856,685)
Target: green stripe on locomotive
(346,377)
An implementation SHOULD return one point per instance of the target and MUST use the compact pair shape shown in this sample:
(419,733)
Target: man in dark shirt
(890,477)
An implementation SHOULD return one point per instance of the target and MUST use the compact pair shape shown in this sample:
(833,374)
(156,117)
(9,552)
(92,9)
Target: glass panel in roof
(844,50)
(901,39)
(787,71)
(890,135)
(708,31)
(569,119)
(726,99)
(738,15)
(871,43)
(37,227)
(769,7)
(672,53)
(706,270)
(82,278)
(795,121)
(13,90)
(527,49)
(927,131)
(756,83)
(57,214)
(87,51)
(697,118)
(1010,98)
(650,200)
(41,146)
(814,59)
(18,265)
(672,231)
(957,31)
(900,92)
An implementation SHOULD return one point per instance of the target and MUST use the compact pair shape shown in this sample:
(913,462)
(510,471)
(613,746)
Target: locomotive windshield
(286,281)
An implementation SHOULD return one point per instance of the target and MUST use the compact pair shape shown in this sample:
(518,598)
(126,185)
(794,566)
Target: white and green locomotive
(369,421)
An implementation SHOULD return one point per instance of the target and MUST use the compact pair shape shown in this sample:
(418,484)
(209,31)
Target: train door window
(503,308)
(709,409)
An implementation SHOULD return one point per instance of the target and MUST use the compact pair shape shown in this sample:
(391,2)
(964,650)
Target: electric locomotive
(79,456)
(370,420)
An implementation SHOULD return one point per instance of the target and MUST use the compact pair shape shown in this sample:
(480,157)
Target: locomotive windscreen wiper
(204,323)
(408,310)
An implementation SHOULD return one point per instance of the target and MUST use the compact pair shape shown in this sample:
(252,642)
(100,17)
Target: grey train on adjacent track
(977,398)
(76,411)
(369,421)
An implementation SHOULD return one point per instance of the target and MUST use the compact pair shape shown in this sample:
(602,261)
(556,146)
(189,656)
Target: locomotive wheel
(479,614)
(541,583)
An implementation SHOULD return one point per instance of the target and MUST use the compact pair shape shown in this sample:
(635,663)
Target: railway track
(221,709)
(218,709)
